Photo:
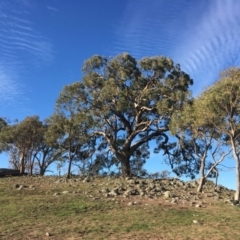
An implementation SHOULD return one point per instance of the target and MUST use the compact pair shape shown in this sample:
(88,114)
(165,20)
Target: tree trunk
(235,155)
(42,170)
(237,193)
(201,183)
(216,181)
(31,169)
(22,164)
(69,165)
(125,164)
(202,178)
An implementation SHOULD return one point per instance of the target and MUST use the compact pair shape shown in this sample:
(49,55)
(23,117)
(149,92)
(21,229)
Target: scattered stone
(174,200)
(195,221)
(87,179)
(142,194)
(114,192)
(55,194)
(107,195)
(131,181)
(105,190)
(167,194)
(65,192)
(210,195)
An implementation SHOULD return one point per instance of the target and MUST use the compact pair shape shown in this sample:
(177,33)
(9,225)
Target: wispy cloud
(213,44)
(202,36)
(22,47)
(11,90)
(52,8)
(148,28)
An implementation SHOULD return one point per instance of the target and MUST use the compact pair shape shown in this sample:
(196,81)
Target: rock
(174,200)
(216,197)
(226,200)
(48,234)
(195,221)
(134,192)
(105,190)
(198,205)
(106,195)
(87,179)
(218,189)
(131,181)
(210,195)
(65,192)
(192,204)
(159,189)
(20,187)
(142,182)
(114,192)
(130,203)
(167,194)
(55,194)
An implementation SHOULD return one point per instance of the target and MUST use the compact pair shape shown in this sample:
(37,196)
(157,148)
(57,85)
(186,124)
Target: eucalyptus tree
(130,102)
(68,130)
(21,140)
(3,124)
(221,104)
(45,155)
(201,148)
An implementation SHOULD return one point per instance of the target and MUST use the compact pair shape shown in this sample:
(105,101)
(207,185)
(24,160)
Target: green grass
(29,214)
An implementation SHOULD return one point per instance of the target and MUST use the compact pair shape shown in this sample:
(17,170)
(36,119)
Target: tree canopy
(201,148)
(130,102)
(221,104)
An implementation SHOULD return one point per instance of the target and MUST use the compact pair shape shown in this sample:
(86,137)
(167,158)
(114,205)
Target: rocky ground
(132,191)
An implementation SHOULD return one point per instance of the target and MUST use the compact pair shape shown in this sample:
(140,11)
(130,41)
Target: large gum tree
(131,102)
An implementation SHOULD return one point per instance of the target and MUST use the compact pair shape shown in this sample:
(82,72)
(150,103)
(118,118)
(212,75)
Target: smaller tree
(69,130)
(20,140)
(47,155)
(221,104)
(201,148)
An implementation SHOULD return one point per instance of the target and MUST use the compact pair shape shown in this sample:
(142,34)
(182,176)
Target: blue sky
(43,44)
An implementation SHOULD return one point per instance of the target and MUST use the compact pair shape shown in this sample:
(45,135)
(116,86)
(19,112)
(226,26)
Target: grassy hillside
(114,208)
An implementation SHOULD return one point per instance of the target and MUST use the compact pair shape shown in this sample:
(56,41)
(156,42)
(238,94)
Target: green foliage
(21,140)
(216,116)
(201,147)
(3,124)
(69,127)
(127,102)
(25,143)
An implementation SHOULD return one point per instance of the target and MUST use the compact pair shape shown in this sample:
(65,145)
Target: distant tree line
(105,123)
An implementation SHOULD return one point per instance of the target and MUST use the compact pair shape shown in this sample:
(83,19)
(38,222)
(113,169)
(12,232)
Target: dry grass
(30,213)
